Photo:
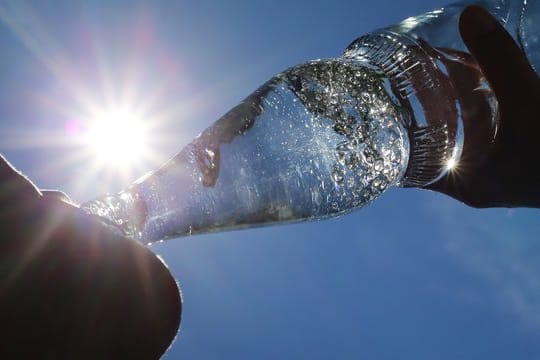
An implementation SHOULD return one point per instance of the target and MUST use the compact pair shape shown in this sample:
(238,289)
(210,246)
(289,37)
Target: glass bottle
(328,136)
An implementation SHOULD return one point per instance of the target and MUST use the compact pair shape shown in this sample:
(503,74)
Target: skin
(70,287)
(502,173)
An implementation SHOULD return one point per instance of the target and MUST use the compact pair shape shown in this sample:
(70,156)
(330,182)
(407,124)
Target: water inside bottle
(317,140)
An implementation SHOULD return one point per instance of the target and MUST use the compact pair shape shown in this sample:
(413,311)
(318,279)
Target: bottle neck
(421,84)
(443,91)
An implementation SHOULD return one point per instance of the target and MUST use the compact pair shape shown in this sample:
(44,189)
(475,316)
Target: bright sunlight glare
(451,164)
(117,138)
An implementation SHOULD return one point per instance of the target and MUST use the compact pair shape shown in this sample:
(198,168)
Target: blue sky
(415,275)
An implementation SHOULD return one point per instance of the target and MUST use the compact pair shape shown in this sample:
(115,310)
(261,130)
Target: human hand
(504,174)
(70,287)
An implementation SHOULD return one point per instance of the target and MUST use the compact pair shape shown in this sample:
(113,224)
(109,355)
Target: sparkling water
(399,107)
(317,140)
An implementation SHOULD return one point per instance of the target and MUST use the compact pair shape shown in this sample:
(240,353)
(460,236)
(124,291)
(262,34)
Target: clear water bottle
(328,136)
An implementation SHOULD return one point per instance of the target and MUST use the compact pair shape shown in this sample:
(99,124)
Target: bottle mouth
(124,212)
(425,92)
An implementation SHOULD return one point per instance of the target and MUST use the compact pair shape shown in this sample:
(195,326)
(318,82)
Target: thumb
(503,63)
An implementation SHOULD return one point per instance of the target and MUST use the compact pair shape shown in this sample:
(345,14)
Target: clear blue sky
(415,275)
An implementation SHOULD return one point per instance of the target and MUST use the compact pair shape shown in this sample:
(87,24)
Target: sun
(117,137)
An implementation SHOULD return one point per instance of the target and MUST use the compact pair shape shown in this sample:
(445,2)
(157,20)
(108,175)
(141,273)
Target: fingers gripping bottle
(328,136)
